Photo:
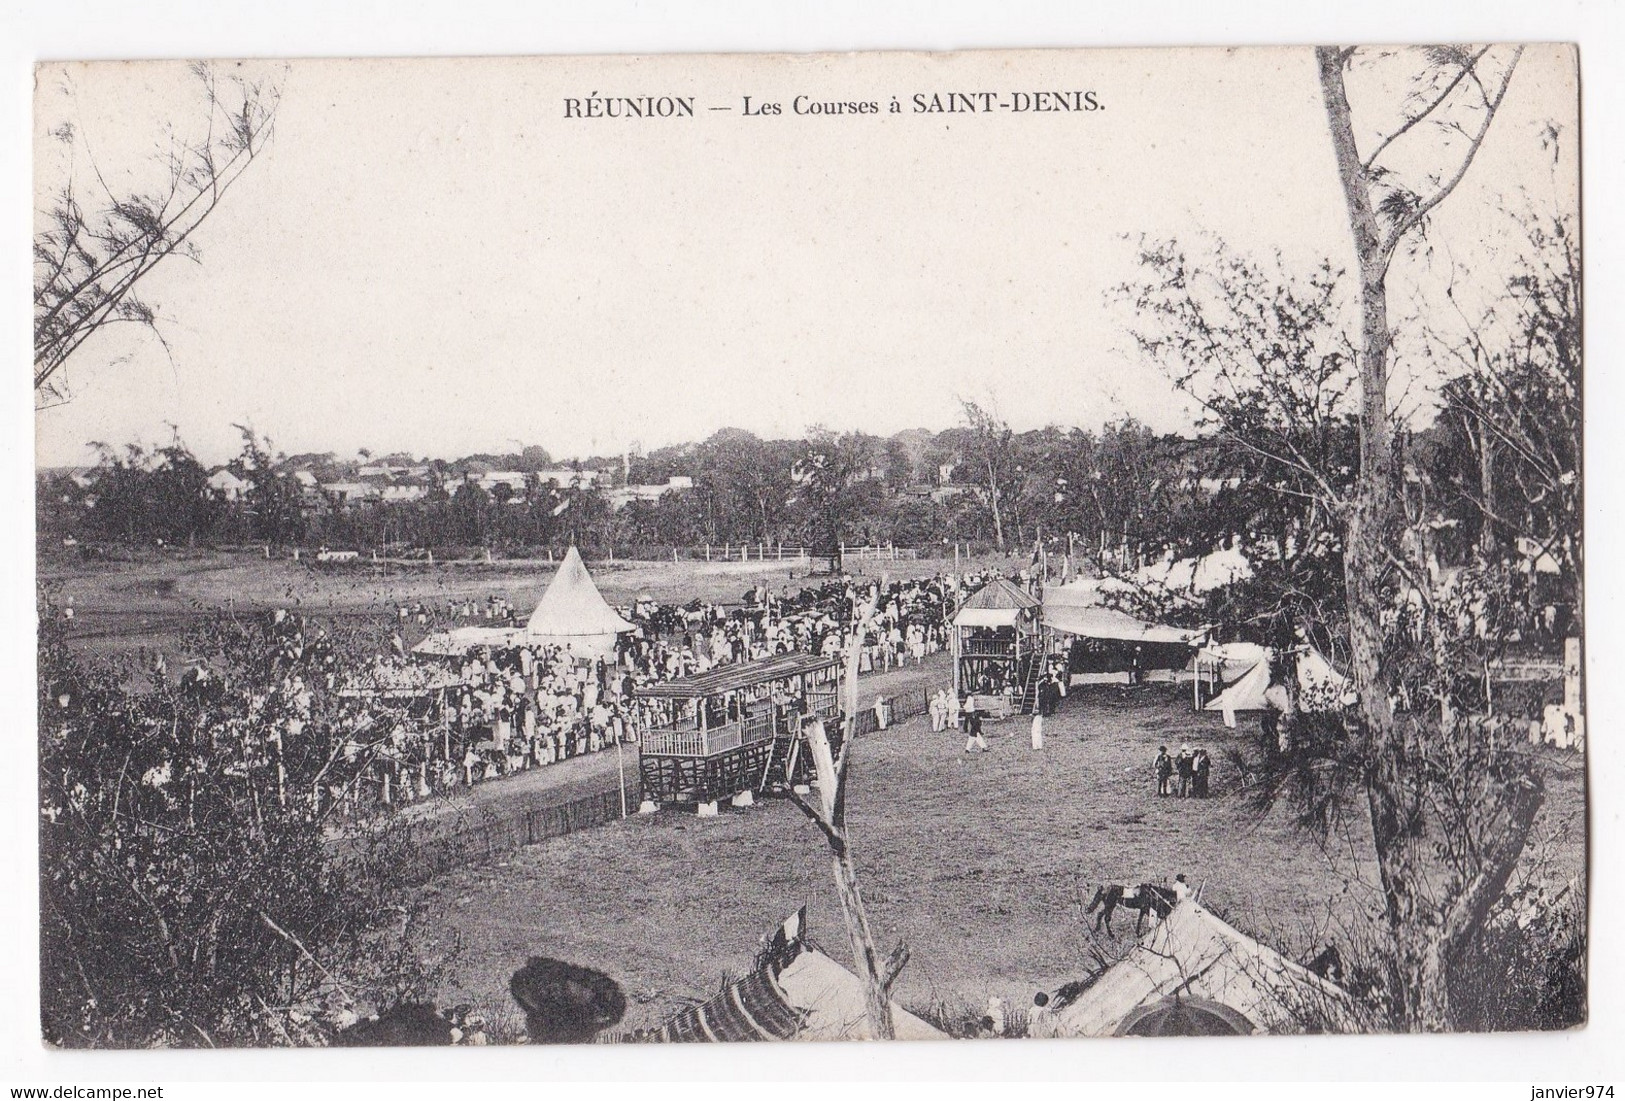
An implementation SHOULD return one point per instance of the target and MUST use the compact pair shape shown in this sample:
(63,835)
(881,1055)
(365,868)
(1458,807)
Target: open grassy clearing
(980,862)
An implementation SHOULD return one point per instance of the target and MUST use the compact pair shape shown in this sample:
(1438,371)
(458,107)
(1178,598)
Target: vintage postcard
(1072,543)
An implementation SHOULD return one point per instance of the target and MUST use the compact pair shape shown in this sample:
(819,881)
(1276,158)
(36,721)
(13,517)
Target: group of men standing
(1186,774)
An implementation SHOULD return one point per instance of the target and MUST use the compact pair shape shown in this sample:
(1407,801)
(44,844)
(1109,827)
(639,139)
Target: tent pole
(620,772)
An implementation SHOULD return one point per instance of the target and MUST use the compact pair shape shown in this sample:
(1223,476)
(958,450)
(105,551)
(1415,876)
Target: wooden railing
(708,743)
(982,648)
(824,704)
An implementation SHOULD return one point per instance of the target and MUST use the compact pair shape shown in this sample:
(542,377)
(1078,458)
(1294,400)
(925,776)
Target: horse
(1145,899)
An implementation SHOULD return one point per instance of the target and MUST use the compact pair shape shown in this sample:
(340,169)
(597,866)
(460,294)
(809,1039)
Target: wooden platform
(681,779)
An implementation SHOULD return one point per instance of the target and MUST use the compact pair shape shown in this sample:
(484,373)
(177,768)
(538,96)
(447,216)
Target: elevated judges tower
(998,645)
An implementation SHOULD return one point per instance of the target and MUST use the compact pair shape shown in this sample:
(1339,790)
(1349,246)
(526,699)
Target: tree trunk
(864,955)
(1417,978)
(993,499)
(1486,488)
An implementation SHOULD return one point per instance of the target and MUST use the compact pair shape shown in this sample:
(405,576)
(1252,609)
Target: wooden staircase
(1028,700)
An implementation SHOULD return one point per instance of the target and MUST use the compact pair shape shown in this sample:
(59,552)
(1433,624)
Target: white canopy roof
(461,640)
(1193,957)
(988,617)
(573,607)
(1085,591)
(1107,623)
(833,1002)
(1197,575)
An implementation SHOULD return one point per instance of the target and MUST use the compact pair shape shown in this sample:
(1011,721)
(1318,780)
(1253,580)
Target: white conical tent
(574,614)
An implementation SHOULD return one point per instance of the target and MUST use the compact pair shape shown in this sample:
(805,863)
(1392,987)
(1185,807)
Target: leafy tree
(1510,414)
(1432,919)
(190,892)
(141,496)
(471,511)
(274,499)
(1262,353)
(990,451)
(96,245)
(835,489)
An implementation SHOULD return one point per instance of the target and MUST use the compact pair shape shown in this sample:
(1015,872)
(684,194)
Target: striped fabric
(754,1008)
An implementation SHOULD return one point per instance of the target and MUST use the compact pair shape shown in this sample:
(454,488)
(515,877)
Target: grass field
(979,862)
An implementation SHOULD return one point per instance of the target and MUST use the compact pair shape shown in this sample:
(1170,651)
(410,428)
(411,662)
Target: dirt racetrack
(980,862)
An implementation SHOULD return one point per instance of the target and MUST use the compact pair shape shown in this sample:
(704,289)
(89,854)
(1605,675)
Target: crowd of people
(501,710)
(417,727)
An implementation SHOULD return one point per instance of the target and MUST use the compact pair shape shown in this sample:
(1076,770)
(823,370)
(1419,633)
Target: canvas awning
(1085,591)
(1108,623)
(1233,660)
(1194,965)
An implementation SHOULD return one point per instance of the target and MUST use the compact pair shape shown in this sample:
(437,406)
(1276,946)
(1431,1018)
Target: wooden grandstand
(735,728)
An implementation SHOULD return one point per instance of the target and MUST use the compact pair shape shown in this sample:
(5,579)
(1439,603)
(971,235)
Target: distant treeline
(1120,495)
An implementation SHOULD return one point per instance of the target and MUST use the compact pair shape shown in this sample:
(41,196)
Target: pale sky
(431,258)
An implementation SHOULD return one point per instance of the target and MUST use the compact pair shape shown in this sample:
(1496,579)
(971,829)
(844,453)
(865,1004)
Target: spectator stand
(735,730)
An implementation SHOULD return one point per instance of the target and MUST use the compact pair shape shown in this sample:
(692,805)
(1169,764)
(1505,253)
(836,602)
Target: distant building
(404,490)
(228,485)
(620,497)
(385,468)
(563,479)
(353,494)
(513,479)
